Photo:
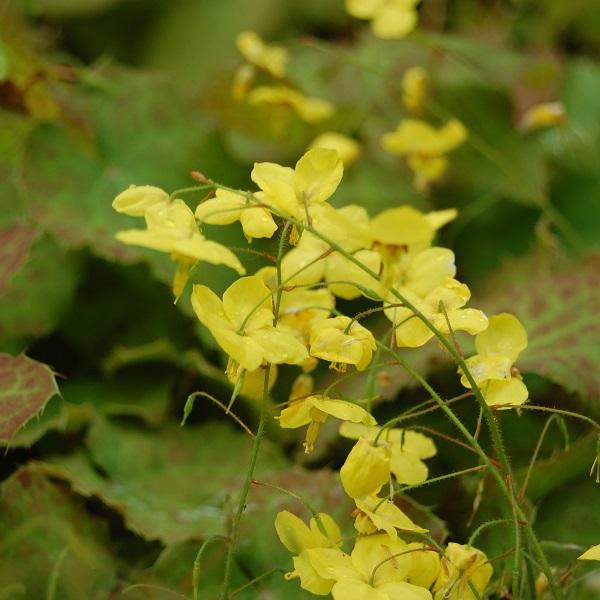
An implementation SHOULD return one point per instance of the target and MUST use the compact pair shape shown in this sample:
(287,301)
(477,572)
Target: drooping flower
(462,567)
(377,569)
(342,342)
(406,449)
(443,306)
(228,207)
(298,539)
(498,348)
(170,227)
(242,324)
(414,89)
(347,148)
(366,469)
(425,147)
(379,514)
(313,410)
(311,110)
(390,19)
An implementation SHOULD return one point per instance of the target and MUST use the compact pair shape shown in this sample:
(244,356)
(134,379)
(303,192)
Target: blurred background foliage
(103,496)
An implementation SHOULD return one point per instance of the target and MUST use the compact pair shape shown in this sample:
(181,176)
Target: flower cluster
(286,314)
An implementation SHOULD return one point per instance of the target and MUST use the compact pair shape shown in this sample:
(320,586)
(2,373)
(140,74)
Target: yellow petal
(404,590)
(339,268)
(366,470)
(333,345)
(293,532)
(209,308)
(297,414)
(318,174)
(416,137)
(505,335)
(331,563)
(247,302)
(471,320)
(146,239)
(411,331)
(404,225)
(346,411)
(543,115)
(272,58)
(386,516)
(257,223)
(427,169)
(484,367)
(304,264)
(511,393)
(325,530)
(394,21)
(414,88)
(354,589)
(592,553)
(374,551)
(347,148)
(279,346)
(241,348)
(425,565)
(364,9)
(135,200)
(310,580)
(198,248)
(429,269)
(222,210)
(278,184)
(407,467)
(355,431)
(174,218)
(438,218)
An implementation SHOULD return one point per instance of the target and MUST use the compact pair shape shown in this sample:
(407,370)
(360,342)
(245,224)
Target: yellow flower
(498,348)
(366,469)
(548,114)
(137,198)
(347,148)
(407,450)
(271,58)
(425,146)
(295,191)
(314,410)
(443,306)
(390,19)
(242,324)
(228,207)
(592,553)
(460,566)
(311,110)
(342,342)
(378,514)
(377,569)
(298,538)
(414,89)
(171,227)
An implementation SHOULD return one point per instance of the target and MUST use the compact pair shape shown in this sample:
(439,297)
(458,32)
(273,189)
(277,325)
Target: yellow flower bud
(135,200)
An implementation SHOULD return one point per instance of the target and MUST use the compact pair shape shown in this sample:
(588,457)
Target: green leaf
(51,546)
(557,302)
(15,242)
(38,295)
(26,385)
(170,484)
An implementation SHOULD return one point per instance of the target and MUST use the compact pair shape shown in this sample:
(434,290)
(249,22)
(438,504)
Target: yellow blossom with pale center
(342,342)
(425,146)
(347,148)
(377,569)
(390,19)
(460,566)
(314,410)
(298,538)
(311,110)
(407,449)
(242,324)
(498,348)
(171,227)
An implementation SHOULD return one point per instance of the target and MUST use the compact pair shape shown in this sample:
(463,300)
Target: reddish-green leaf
(25,387)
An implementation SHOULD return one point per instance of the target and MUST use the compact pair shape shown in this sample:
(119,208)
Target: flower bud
(135,200)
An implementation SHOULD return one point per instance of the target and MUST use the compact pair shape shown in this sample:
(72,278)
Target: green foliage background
(102,495)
